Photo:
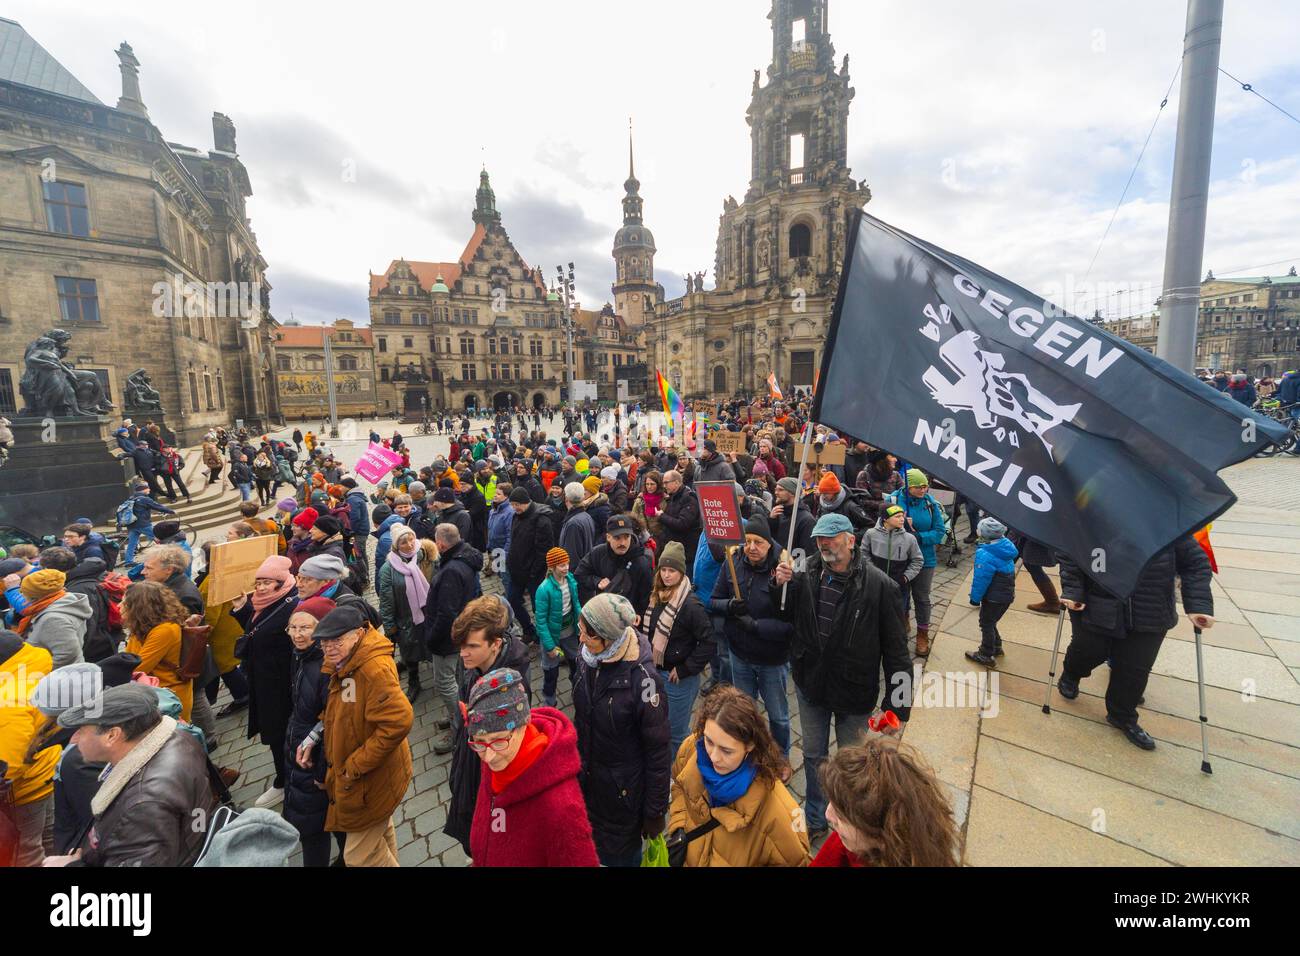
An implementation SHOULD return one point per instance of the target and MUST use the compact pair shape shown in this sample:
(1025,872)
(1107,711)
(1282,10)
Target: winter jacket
(1288,393)
(476,508)
(716,468)
(100,639)
(878,489)
(597,507)
(618,499)
(691,642)
(804,522)
(160,654)
(145,810)
(456,514)
(995,573)
(61,628)
(75,786)
(384,543)
(1151,605)
(621,715)
(548,603)
(760,637)
(395,611)
(842,674)
(226,631)
(548,818)
(531,485)
(705,570)
(681,521)
(897,553)
(186,592)
(19,722)
(531,535)
(305,800)
(367,719)
(501,520)
(358,515)
(577,534)
(843,504)
(629,574)
(1243,392)
(928,521)
(454,586)
(267,654)
(144,506)
(755,830)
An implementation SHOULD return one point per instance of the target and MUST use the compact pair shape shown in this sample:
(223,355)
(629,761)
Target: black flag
(1065,432)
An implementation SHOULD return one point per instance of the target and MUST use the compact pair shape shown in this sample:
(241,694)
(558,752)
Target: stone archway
(503,401)
(539,400)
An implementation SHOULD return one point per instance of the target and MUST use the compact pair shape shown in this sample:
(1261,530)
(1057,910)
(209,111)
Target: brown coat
(763,828)
(367,718)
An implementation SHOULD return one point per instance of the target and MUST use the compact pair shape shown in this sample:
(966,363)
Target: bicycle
(1290,444)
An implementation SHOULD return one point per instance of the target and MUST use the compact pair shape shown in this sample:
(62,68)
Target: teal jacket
(548,602)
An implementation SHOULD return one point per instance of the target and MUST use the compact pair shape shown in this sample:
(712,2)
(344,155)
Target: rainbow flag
(673,406)
(1203,539)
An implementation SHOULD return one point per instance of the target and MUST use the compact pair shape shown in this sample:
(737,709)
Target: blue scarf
(727,788)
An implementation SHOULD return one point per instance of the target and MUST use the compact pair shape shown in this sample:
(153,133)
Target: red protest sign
(720,511)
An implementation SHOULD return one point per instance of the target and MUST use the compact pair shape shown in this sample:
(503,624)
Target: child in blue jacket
(993,588)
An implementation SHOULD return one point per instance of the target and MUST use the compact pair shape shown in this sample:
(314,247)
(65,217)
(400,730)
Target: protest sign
(375,464)
(233,566)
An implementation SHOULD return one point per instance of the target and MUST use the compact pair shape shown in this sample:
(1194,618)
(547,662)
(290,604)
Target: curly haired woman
(154,615)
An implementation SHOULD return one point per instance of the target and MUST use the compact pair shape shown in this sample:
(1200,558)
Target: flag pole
(794,515)
(1200,688)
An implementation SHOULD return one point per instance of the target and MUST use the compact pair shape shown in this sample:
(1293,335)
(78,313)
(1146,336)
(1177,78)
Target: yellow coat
(20,722)
(225,631)
(765,827)
(160,654)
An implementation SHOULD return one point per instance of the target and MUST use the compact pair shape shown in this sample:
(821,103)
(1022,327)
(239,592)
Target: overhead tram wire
(1163,103)
(1249,88)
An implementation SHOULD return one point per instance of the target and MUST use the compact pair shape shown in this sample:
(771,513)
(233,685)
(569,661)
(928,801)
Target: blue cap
(828,526)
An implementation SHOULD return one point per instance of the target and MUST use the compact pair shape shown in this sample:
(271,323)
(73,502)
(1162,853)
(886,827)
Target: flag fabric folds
(673,406)
(1070,435)
(773,387)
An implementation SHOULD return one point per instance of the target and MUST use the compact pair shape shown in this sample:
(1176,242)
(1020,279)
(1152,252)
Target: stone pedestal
(60,469)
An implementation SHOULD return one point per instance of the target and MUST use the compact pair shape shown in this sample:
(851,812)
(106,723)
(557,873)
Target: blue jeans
(133,537)
(766,681)
(245,491)
(850,729)
(681,700)
(572,647)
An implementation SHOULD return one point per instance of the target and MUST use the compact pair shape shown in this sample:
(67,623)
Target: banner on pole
(720,512)
(376,462)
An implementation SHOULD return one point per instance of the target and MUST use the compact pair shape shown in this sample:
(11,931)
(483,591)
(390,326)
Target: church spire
(632,202)
(631,166)
(485,202)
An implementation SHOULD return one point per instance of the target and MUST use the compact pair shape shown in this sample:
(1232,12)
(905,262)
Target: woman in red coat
(530,810)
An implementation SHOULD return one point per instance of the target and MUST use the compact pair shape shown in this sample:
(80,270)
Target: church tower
(635,289)
(485,203)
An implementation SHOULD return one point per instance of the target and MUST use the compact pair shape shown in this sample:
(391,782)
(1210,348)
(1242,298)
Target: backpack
(110,549)
(126,513)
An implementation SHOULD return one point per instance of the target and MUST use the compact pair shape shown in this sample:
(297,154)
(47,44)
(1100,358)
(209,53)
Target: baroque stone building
(1250,323)
(779,253)
(300,362)
(483,331)
(141,249)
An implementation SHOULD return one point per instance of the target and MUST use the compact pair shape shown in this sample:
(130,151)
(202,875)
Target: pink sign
(376,463)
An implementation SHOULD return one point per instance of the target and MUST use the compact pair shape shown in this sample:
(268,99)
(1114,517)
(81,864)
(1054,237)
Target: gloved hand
(737,607)
(749,624)
(652,827)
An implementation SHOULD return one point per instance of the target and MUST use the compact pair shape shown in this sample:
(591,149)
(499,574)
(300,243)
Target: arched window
(720,379)
(800,241)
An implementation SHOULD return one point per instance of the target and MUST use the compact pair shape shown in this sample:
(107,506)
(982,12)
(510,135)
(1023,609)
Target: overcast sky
(1002,131)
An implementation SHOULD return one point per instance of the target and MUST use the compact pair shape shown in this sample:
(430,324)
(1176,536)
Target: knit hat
(328,525)
(609,473)
(41,584)
(760,467)
(323,567)
(444,496)
(710,446)
(257,837)
(758,525)
(615,454)
(916,478)
(317,607)
(275,568)
(555,557)
(497,702)
(320,498)
(893,510)
(829,485)
(286,504)
(829,525)
(306,518)
(68,686)
(118,668)
(520,496)
(609,615)
(337,492)
(11,566)
(591,484)
(990,529)
(789,484)
(673,556)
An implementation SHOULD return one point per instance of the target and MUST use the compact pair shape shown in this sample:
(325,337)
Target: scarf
(35,608)
(534,745)
(417,587)
(724,789)
(261,603)
(615,651)
(651,503)
(659,642)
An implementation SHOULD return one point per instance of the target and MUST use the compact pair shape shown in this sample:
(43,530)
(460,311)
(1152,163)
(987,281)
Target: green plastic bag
(656,853)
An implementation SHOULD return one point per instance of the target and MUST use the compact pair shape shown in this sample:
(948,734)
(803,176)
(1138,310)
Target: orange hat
(555,557)
(337,492)
(829,485)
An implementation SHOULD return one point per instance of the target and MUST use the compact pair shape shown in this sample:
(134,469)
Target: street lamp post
(568,293)
(329,383)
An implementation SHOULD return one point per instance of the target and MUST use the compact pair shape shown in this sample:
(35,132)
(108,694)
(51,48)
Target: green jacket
(548,602)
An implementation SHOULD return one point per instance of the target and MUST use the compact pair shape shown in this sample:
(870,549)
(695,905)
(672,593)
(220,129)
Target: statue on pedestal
(141,396)
(52,386)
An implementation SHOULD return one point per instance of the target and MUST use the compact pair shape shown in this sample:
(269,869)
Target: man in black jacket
(713,466)
(445,509)
(453,587)
(523,477)
(1129,633)
(847,617)
(786,490)
(532,534)
(619,566)
(680,515)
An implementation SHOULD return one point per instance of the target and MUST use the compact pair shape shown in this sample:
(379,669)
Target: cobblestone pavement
(420,818)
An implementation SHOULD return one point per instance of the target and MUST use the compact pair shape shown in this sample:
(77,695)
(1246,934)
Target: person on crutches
(1129,632)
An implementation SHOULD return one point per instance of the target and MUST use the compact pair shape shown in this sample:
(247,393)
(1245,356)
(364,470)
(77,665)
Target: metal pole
(329,385)
(798,495)
(1051,671)
(1200,689)
(1185,246)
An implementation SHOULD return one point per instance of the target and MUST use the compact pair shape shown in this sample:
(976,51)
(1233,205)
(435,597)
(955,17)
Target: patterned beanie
(609,615)
(555,557)
(497,702)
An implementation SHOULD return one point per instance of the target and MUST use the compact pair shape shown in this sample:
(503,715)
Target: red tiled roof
(427,272)
(313,336)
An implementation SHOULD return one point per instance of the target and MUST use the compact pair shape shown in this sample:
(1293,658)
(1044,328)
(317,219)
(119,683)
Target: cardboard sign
(233,567)
(720,511)
(730,443)
(375,464)
(827,454)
